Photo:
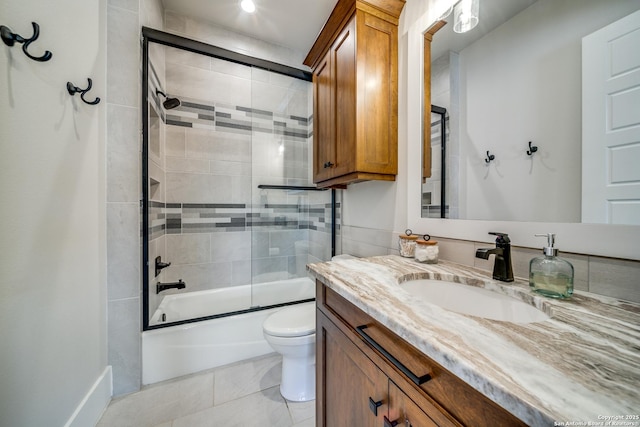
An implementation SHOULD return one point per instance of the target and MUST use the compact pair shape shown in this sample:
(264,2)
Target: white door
(611,123)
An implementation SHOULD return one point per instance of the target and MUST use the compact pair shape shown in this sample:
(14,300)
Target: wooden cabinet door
(352,391)
(335,109)
(324,140)
(344,66)
(404,412)
(377,95)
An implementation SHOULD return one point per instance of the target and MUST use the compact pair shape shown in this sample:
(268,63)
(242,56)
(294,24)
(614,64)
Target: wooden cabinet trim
(386,9)
(342,358)
(352,178)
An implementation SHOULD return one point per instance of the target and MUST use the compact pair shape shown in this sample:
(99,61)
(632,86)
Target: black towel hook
(532,149)
(75,89)
(9,38)
(489,158)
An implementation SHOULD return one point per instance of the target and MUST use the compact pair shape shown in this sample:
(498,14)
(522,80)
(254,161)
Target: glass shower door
(281,220)
(216,130)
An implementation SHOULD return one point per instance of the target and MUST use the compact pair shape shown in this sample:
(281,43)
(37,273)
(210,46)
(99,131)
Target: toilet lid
(294,321)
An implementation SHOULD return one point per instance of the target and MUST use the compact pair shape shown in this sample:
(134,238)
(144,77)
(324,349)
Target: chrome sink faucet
(502,269)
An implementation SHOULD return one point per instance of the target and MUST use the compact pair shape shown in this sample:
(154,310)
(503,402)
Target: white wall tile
(124,354)
(123,250)
(188,248)
(222,167)
(240,272)
(615,278)
(231,246)
(123,57)
(175,22)
(188,58)
(123,154)
(205,144)
(198,188)
(175,141)
(200,277)
(179,164)
(152,14)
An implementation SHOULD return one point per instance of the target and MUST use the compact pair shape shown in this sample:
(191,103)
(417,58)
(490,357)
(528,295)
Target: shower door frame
(179,42)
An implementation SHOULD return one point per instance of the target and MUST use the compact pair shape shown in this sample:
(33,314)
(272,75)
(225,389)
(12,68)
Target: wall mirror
(493,184)
(505,124)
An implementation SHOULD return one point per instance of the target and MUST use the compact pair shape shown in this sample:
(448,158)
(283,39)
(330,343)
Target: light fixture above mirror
(465,15)
(248,6)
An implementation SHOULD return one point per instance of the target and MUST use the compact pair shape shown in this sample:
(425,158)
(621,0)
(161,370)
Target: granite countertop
(580,366)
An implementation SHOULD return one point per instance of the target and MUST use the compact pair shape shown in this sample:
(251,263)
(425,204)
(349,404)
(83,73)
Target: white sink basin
(474,301)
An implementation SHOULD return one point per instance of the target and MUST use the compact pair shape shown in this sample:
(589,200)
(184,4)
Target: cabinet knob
(388,423)
(374,405)
(328,164)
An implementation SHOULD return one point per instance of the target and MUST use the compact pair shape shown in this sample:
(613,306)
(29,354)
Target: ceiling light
(445,13)
(248,6)
(465,15)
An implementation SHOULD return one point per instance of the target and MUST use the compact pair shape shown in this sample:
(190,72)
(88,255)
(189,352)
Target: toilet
(292,333)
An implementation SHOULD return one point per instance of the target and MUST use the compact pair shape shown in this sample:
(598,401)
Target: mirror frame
(618,241)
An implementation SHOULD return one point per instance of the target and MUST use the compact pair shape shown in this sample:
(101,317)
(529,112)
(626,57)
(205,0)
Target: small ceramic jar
(407,244)
(426,250)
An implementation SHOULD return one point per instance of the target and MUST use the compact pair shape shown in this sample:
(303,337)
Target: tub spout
(174,285)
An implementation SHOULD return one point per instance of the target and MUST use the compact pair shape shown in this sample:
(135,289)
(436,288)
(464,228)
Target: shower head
(169,103)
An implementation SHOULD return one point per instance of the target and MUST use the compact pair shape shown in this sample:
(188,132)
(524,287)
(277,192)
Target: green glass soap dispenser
(550,275)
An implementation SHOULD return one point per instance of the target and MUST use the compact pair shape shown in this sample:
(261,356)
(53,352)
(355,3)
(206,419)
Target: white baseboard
(92,407)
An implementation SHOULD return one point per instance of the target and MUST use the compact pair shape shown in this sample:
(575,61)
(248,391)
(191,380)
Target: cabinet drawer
(458,400)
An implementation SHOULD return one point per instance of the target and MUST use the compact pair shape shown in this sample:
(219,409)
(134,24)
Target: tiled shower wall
(237,127)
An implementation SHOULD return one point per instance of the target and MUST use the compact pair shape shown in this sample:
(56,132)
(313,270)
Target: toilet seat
(293,321)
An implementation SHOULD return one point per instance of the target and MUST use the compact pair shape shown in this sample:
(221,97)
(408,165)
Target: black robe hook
(10,38)
(489,158)
(75,89)
(532,149)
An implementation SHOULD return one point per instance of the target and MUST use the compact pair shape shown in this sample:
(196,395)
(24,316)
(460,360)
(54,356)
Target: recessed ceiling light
(248,6)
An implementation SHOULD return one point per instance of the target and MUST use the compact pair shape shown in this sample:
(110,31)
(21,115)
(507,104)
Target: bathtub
(191,347)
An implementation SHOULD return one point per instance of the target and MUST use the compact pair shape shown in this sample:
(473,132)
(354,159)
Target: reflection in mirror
(515,78)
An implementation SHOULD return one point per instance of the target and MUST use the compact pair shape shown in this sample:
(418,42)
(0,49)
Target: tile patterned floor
(244,394)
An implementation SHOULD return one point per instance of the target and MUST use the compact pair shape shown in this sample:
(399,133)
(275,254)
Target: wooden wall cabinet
(355,81)
(378,379)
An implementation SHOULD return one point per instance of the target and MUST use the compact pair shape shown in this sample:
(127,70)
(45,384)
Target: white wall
(52,188)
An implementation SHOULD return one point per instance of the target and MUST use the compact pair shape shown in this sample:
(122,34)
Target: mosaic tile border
(222,117)
(184,218)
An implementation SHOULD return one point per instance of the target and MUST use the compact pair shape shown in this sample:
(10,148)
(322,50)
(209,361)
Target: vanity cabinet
(368,376)
(355,83)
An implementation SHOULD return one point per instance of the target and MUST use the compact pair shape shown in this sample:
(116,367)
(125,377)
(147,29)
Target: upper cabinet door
(355,63)
(324,139)
(377,95)
(343,53)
